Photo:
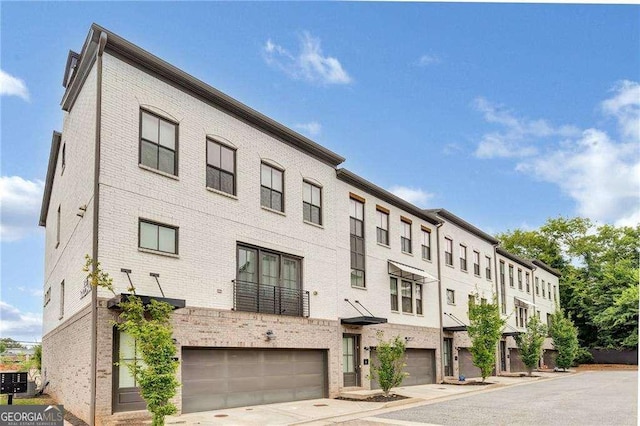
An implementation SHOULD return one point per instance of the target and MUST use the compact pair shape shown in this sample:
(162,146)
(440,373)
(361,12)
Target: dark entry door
(447,354)
(351,360)
(503,355)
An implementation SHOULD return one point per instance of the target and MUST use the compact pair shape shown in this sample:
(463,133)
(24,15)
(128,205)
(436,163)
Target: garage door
(421,366)
(550,358)
(516,362)
(465,364)
(226,378)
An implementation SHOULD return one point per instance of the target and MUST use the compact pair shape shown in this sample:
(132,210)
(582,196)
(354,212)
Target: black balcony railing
(270,299)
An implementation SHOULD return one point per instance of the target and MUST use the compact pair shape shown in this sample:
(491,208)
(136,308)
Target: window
(521,317)
(537,286)
(451,297)
(463,257)
(158,237)
(526,282)
(448,251)
(58,227)
(405,235)
(488,268)
(158,143)
(471,300)
(64,156)
(503,291)
(47,297)
(393,282)
(407,297)
(519,279)
(271,187)
(61,300)
(549,290)
(382,226)
(311,203)
(476,263)
(128,354)
(544,291)
(548,321)
(511,276)
(426,244)
(419,299)
(221,167)
(555,296)
(356,225)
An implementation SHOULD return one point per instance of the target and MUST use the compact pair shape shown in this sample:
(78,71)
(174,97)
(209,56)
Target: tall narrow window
(519,279)
(407,297)
(419,299)
(476,263)
(158,143)
(271,187)
(405,235)
(64,156)
(471,300)
(58,227)
(311,203)
(393,283)
(526,282)
(503,291)
(463,257)
(537,286)
(549,288)
(158,237)
(511,276)
(488,268)
(544,291)
(426,244)
(555,294)
(382,225)
(448,251)
(356,225)
(221,167)
(451,297)
(61,299)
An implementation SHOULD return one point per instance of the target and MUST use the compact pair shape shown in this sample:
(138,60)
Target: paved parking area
(590,398)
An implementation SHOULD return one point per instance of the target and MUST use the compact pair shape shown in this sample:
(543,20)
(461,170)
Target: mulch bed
(376,398)
(467,383)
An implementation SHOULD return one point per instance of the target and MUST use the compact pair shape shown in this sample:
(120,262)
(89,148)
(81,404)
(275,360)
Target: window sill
(395,312)
(313,224)
(449,266)
(477,275)
(273,211)
(224,194)
(161,253)
(427,260)
(408,253)
(409,314)
(60,317)
(158,172)
(384,245)
(57,244)
(358,287)
(62,171)
(464,270)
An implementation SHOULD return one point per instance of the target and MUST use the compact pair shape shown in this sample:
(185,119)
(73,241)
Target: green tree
(3,347)
(530,343)
(9,343)
(621,319)
(485,329)
(150,326)
(388,370)
(565,339)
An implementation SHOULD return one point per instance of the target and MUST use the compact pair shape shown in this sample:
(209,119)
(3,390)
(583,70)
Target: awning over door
(409,272)
(526,302)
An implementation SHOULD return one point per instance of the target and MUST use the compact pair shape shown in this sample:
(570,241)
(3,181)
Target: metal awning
(409,272)
(455,328)
(363,320)
(114,302)
(526,302)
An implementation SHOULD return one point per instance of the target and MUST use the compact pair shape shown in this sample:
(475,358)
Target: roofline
(547,268)
(457,220)
(371,188)
(56,137)
(164,70)
(518,259)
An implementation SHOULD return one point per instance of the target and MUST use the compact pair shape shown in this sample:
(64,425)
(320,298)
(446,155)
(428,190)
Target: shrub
(583,356)
(530,343)
(485,330)
(388,370)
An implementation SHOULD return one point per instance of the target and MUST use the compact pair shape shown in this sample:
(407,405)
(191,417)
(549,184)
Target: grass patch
(38,400)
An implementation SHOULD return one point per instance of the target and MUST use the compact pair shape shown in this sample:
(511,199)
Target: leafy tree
(485,329)
(388,371)
(150,326)
(530,343)
(565,339)
(9,343)
(621,319)
(3,347)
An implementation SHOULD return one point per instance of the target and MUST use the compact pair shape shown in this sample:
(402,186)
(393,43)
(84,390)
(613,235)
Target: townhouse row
(282,266)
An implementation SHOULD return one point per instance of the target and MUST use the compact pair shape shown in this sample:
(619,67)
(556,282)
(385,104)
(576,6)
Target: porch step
(359,393)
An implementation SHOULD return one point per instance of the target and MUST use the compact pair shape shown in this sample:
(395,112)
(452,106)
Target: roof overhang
(455,328)
(114,302)
(51,171)
(511,333)
(457,220)
(363,321)
(409,272)
(526,302)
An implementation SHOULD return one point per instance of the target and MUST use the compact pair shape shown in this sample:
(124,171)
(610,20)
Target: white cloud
(312,128)
(35,292)
(13,86)
(20,201)
(426,60)
(415,196)
(21,326)
(308,64)
(601,174)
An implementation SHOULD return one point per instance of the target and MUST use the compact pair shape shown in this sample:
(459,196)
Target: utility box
(12,382)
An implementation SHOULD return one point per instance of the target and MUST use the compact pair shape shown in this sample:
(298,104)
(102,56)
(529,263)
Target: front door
(447,354)
(503,355)
(351,360)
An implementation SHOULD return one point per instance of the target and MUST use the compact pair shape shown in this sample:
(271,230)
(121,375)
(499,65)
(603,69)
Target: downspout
(496,276)
(94,254)
(440,299)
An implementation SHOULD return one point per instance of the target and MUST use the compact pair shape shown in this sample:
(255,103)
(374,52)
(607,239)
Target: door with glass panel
(351,360)
(126,390)
(447,355)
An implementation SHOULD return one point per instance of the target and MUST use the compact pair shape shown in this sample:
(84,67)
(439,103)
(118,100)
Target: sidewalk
(331,411)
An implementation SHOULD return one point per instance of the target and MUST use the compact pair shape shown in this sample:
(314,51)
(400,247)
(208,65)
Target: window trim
(463,260)
(419,302)
(281,170)
(391,295)
(58,224)
(281,257)
(488,270)
(61,311)
(452,300)
(448,260)
(403,297)
(476,265)
(358,200)
(177,141)
(426,231)
(385,212)
(406,222)
(164,225)
(235,166)
(320,188)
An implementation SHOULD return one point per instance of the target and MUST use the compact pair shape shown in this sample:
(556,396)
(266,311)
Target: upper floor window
(311,203)
(158,237)
(61,299)
(58,219)
(549,288)
(64,156)
(407,297)
(476,263)
(393,283)
(356,226)
(488,268)
(221,167)
(544,291)
(158,143)
(451,297)
(382,225)
(448,251)
(537,286)
(555,296)
(271,187)
(519,279)
(463,257)
(511,276)
(405,235)
(426,244)
(419,299)
(526,282)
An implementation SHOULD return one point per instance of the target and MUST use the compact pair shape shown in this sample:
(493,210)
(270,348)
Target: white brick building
(283,267)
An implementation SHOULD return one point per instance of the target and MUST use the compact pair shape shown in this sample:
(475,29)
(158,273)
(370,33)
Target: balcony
(270,299)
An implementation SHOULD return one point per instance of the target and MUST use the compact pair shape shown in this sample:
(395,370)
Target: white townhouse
(281,266)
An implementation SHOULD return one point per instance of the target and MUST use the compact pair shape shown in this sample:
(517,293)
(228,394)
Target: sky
(504,114)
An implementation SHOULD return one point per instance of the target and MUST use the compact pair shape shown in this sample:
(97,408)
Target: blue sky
(505,114)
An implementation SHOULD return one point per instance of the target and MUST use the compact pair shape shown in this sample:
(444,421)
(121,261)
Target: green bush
(388,370)
(583,356)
